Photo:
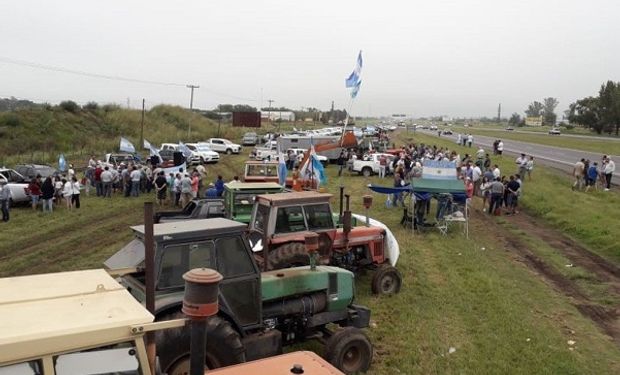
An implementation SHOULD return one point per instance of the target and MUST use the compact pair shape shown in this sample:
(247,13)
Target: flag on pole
(126,146)
(282,170)
(356,89)
(355,76)
(152,150)
(62,163)
(313,169)
(187,153)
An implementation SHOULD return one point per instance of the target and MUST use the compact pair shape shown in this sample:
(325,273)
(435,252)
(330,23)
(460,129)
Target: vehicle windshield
(252,170)
(203,147)
(45,171)
(191,147)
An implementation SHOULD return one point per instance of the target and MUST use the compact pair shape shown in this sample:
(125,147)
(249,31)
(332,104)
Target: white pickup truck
(369,164)
(267,151)
(15,182)
(223,145)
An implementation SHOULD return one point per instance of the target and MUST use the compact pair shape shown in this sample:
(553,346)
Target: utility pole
(499,113)
(142,126)
(270,101)
(191,107)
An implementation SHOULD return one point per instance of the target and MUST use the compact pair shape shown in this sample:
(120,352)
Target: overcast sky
(458,58)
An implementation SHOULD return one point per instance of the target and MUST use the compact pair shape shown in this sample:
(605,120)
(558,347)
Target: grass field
(475,296)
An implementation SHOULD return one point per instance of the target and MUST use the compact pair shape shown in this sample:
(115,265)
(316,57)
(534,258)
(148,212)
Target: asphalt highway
(556,157)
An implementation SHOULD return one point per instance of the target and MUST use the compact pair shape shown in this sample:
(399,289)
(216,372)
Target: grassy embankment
(467,294)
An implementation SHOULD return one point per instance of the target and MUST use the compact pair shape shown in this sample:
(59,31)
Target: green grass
(499,316)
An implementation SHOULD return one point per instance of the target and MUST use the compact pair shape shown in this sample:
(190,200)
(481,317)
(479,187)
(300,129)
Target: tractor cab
(239,197)
(261,171)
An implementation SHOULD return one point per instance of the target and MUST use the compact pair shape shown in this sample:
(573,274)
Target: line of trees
(600,113)
(546,109)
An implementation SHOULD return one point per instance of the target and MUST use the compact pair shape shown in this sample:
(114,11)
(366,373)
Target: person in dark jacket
(47,194)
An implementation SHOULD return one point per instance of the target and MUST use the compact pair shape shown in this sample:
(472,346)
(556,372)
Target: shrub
(10,119)
(111,108)
(91,106)
(69,106)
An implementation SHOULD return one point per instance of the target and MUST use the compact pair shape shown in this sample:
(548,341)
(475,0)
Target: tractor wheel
(224,347)
(367,172)
(289,255)
(386,280)
(349,350)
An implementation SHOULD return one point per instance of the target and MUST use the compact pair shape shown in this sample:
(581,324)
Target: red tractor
(281,221)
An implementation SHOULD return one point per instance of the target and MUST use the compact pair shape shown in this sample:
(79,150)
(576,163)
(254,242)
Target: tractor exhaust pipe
(346,221)
(200,301)
(341,202)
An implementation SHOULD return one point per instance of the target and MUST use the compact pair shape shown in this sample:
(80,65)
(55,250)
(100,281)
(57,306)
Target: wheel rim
(180,367)
(352,359)
(388,284)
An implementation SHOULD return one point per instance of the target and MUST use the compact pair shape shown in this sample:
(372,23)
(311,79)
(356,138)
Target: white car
(223,145)
(555,131)
(204,152)
(19,189)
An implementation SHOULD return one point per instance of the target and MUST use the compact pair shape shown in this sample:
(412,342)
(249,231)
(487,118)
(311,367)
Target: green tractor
(259,313)
(239,198)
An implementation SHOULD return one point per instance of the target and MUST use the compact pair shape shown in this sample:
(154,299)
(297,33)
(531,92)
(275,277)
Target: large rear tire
(289,255)
(349,350)
(224,346)
(386,280)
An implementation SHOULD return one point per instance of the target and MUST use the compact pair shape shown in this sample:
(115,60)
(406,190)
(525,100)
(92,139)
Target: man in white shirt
(106,180)
(476,174)
(135,176)
(500,147)
(496,172)
(610,168)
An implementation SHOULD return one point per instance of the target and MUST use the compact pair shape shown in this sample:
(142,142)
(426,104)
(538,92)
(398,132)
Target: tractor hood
(390,244)
(336,282)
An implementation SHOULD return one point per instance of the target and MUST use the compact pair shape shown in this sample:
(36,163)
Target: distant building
(278,115)
(534,121)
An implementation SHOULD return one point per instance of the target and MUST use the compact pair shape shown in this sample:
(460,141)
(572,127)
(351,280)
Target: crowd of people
(588,174)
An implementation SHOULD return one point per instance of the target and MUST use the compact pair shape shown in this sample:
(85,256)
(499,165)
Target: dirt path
(606,318)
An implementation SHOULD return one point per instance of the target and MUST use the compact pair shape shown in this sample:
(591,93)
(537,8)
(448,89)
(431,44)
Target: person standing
(75,192)
(610,168)
(521,162)
(97,178)
(135,177)
(341,162)
(186,190)
(513,187)
(195,184)
(34,187)
(592,174)
(497,194)
(177,189)
(578,174)
(382,165)
(47,195)
(70,172)
(529,167)
(470,140)
(161,188)
(500,147)
(58,185)
(476,178)
(219,185)
(170,181)
(5,200)
(106,178)
(67,192)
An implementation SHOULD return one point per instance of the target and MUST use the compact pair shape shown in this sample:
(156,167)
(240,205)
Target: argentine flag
(313,169)
(126,146)
(282,170)
(354,78)
(152,150)
(62,163)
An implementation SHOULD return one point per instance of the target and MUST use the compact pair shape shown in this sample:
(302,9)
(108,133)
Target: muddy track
(606,318)
(33,243)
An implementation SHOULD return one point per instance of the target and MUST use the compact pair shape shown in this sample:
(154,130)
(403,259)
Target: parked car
(370,164)
(204,152)
(193,159)
(115,159)
(16,183)
(265,152)
(510,128)
(30,171)
(249,139)
(554,131)
(204,208)
(223,145)
(447,132)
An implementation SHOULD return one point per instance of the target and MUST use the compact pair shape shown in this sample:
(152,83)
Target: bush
(10,119)
(69,106)
(111,108)
(91,106)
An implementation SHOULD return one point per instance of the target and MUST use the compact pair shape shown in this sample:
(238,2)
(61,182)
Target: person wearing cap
(5,200)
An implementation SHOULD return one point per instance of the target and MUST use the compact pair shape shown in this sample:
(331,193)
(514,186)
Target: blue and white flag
(282,170)
(313,169)
(152,150)
(62,163)
(185,150)
(126,146)
(355,76)
(356,89)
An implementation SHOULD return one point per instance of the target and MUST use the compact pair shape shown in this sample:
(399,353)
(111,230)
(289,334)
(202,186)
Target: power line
(60,69)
